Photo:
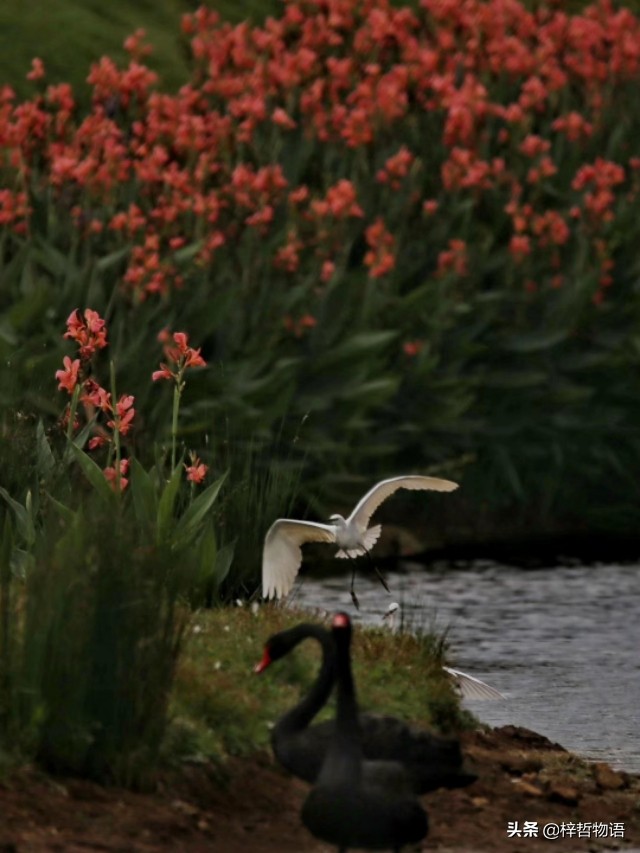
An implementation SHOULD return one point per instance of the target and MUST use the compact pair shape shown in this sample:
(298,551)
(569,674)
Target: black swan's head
(341,622)
(279,645)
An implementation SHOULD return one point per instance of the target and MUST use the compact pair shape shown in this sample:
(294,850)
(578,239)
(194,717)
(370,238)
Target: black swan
(342,808)
(429,761)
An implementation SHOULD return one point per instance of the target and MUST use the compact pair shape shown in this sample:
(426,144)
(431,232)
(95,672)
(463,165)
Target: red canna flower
(182,356)
(380,258)
(37,70)
(123,415)
(453,259)
(134,44)
(327,271)
(95,395)
(163,373)
(283,119)
(68,378)
(300,326)
(110,474)
(197,471)
(533,145)
(89,333)
(396,168)
(97,441)
(520,247)
(340,202)
(64,420)
(412,348)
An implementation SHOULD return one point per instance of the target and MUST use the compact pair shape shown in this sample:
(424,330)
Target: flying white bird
(467,685)
(282,554)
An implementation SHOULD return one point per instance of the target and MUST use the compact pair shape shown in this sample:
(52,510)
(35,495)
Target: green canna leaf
(63,511)
(535,341)
(167,503)
(24,520)
(187,527)
(94,474)
(46,463)
(224,559)
(145,499)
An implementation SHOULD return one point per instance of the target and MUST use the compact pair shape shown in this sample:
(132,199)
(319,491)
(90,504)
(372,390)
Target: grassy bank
(221,708)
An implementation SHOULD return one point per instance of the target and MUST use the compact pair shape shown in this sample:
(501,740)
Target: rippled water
(562,644)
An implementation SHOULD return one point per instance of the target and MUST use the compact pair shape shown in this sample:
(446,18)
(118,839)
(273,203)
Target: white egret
(282,554)
(467,685)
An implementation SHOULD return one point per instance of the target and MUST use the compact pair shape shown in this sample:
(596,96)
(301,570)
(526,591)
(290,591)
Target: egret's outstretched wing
(281,554)
(367,505)
(471,687)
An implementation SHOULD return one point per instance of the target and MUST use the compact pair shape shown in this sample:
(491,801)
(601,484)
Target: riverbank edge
(522,777)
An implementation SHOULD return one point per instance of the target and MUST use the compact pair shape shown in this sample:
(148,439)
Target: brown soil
(522,776)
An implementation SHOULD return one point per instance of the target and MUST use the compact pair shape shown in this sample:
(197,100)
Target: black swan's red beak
(264,663)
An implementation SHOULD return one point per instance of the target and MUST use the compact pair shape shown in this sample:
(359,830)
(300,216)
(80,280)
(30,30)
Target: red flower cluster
(300,326)
(396,168)
(113,479)
(180,354)
(412,348)
(380,258)
(599,179)
(90,334)
(197,471)
(454,259)
(340,202)
(485,95)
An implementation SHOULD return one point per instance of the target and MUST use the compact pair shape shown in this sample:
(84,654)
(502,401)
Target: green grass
(220,707)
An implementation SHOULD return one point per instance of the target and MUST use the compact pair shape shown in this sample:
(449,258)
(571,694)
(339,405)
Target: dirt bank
(522,777)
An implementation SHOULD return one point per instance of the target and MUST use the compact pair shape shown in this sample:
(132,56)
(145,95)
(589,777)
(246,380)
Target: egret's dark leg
(377,571)
(354,597)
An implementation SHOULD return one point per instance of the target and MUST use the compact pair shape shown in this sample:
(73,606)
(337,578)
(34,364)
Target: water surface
(562,644)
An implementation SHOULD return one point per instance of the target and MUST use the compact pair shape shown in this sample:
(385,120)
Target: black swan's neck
(344,759)
(300,715)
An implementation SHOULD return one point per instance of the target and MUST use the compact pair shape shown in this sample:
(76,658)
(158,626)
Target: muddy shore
(522,777)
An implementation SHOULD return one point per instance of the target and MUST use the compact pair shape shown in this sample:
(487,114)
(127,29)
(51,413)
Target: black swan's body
(428,761)
(344,808)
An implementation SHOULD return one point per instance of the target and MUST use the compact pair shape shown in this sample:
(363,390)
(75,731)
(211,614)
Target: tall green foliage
(417,231)
(102,633)
(97,576)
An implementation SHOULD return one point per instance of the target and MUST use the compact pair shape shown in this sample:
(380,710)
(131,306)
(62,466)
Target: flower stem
(73,407)
(177,390)
(116,431)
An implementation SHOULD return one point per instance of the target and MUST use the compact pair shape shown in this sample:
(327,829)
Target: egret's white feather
(281,554)
(369,539)
(367,505)
(471,687)
(371,536)
(348,555)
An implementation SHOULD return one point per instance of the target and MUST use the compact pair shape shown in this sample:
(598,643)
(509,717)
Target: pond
(562,644)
